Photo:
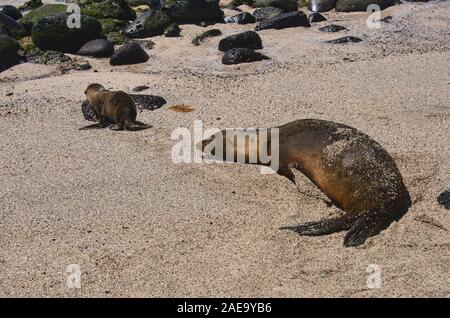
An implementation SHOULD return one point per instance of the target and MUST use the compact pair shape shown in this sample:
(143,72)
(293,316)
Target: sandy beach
(139,225)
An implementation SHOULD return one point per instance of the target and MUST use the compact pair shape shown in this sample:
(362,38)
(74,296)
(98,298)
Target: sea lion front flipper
(322,227)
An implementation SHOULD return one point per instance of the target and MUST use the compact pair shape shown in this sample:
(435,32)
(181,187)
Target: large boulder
(130,53)
(361,5)
(8,52)
(286,20)
(242,55)
(285,5)
(11,27)
(52,33)
(97,48)
(241,18)
(248,39)
(150,23)
(11,11)
(321,5)
(266,13)
(46,10)
(194,11)
(117,9)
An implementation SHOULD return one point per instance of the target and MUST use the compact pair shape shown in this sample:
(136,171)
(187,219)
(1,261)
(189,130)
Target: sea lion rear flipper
(322,227)
(140,123)
(368,224)
(285,171)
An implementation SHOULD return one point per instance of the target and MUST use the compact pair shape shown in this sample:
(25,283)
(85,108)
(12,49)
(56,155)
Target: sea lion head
(90,92)
(236,145)
(92,89)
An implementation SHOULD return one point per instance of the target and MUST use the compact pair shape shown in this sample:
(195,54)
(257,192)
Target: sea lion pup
(351,168)
(114,109)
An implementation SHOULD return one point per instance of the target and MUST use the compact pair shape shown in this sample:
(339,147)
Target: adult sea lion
(351,168)
(115,109)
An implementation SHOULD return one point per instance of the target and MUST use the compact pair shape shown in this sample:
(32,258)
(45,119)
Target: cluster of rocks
(36,28)
(103,24)
(314,5)
(240,48)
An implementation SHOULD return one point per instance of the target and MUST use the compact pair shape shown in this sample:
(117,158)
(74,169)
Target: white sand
(140,225)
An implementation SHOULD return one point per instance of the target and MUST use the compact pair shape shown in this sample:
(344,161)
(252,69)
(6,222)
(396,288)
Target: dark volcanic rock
(332,28)
(261,14)
(112,25)
(250,40)
(136,3)
(321,5)
(286,20)
(444,199)
(194,11)
(210,33)
(241,18)
(11,27)
(74,66)
(117,9)
(361,5)
(345,39)
(130,53)
(387,19)
(316,17)
(30,5)
(52,33)
(8,52)
(242,55)
(49,57)
(11,11)
(117,38)
(140,88)
(148,102)
(97,48)
(143,102)
(172,31)
(32,17)
(285,5)
(150,23)
(88,111)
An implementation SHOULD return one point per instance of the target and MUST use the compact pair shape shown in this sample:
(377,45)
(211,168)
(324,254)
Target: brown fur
(114,109)
(352,169)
